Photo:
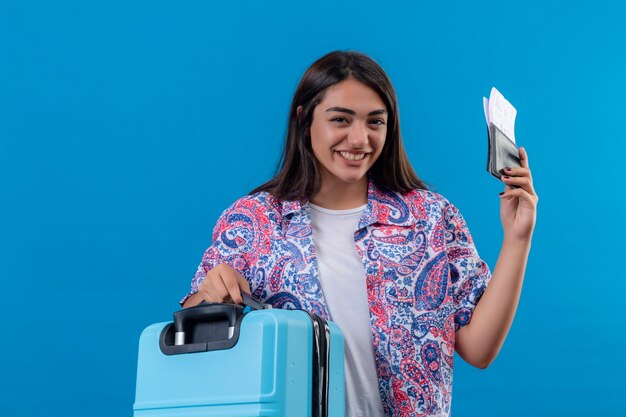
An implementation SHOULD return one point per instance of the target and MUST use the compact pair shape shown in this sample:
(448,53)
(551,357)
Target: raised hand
(518,206)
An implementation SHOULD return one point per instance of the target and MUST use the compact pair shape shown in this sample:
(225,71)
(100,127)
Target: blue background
(126,127)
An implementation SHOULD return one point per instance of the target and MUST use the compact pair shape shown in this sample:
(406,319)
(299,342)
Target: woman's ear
(299,110)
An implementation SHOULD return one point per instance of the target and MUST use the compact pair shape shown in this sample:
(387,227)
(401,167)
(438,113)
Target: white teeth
(352,156)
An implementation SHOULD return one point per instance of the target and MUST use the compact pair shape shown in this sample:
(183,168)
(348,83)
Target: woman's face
(348,132)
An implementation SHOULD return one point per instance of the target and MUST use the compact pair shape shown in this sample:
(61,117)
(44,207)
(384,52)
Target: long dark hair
(298,176)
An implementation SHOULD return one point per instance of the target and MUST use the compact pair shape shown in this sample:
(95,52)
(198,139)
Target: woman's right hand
(222,284)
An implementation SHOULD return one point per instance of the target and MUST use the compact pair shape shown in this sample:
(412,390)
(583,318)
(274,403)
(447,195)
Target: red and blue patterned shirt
(423,278)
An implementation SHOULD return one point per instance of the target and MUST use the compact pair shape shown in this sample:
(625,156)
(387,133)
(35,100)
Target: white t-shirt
(342,277)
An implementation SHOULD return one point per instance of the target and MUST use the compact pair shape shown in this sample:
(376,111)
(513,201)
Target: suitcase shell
(269,371)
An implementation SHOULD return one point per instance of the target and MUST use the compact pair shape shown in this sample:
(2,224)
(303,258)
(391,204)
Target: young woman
(347,230)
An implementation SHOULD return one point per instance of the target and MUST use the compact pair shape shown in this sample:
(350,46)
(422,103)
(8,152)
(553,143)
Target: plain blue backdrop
(126,127)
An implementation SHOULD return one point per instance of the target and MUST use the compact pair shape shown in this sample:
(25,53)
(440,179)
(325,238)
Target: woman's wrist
(517,242)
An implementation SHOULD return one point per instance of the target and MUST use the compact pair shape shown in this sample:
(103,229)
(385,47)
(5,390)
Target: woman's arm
(479,342)
(220,275)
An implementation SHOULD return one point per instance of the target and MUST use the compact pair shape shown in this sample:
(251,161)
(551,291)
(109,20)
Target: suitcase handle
(248,301)
(204,312)
(210,311)
(253,303)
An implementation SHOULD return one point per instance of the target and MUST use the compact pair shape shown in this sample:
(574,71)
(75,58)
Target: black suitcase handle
(208,311)
(252,302)
(206,326)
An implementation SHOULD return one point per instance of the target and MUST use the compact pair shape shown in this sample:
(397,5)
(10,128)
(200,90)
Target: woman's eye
(377,122)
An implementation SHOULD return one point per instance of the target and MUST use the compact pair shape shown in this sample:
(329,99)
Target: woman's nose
(357,136)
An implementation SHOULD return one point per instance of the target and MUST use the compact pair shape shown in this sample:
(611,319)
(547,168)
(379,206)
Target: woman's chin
(352,178)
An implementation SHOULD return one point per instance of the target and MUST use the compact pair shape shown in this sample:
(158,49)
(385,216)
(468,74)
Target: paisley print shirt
(423,278)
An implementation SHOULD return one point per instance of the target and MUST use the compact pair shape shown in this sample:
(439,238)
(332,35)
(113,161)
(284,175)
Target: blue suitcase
(224,360)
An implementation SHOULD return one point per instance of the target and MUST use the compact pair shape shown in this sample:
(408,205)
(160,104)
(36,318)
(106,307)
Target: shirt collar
(383,206)
(386,207)
(291,207)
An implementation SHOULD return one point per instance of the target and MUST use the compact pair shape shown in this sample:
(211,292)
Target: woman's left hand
(518,206)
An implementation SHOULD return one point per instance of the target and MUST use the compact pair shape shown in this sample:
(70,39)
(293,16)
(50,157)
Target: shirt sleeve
(469,273)
(231,242)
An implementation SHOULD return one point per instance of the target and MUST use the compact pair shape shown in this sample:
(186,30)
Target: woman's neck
(338,195)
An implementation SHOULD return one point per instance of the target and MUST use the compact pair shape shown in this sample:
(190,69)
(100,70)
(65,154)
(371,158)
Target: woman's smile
(352,156)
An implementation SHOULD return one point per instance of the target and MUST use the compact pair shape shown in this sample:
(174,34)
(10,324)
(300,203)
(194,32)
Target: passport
(502,150)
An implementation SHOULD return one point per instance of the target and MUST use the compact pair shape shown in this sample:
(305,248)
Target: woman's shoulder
(257,200)
(431,205)
(261,204)
(425,198)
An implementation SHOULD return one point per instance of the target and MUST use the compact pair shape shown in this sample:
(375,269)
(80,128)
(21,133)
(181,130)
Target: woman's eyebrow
(352,112)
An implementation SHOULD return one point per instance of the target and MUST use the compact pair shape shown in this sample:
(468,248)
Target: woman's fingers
(221,290)
(231,282)
(524,170)
(223,284)
(516,172)
(243,283)
(525,182)
(523,157)
(519,176)
(522,195)
(213,289)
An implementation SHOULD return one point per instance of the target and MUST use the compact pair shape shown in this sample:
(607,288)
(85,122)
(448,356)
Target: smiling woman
(346,230)
(347,139)
(344,102)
